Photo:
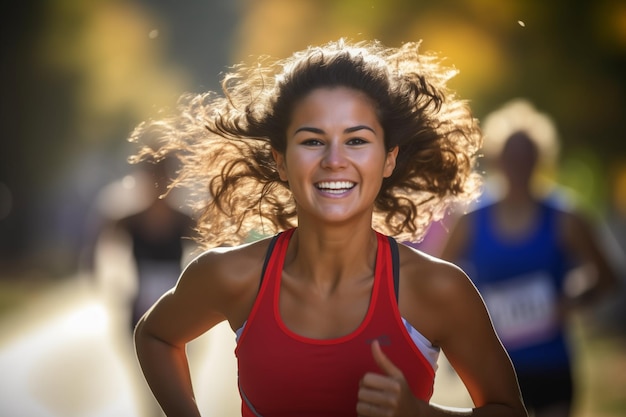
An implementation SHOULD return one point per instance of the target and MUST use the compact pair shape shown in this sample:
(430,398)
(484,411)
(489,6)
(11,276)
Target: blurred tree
(77,77)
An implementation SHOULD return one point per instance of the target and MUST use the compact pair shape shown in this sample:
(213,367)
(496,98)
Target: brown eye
(357,141)
(312,142)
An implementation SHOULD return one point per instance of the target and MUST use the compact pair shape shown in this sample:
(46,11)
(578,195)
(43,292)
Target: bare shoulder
(434,293)
(228,267)
(576,230)
(429,275)
(219,284)
(226,278)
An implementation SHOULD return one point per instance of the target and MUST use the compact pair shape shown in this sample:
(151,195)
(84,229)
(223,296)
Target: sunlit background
(77,76)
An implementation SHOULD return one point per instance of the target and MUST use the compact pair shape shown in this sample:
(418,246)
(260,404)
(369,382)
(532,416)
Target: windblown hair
(224,142)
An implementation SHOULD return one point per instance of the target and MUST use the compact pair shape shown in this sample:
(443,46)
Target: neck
(518,195)
(326,255)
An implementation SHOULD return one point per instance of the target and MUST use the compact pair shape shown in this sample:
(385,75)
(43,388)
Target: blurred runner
(519,247)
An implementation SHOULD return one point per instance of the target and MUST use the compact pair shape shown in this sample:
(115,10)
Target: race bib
(524,310)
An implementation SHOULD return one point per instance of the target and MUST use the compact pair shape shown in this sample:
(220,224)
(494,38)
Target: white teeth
(335,186)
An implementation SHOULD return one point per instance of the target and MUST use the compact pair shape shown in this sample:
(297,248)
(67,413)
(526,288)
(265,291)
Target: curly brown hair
(224,141)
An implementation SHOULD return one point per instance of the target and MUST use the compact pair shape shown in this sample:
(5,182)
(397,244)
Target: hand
(386,395)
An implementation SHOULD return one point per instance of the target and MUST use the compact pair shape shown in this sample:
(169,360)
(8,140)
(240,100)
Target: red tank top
(284,374)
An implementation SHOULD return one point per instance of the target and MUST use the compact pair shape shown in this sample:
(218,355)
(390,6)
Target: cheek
(376,165)
(298,163)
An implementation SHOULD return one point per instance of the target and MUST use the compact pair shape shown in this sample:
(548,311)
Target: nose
(334,157)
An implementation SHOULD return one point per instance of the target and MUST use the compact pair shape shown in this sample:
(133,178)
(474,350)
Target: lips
(335,187)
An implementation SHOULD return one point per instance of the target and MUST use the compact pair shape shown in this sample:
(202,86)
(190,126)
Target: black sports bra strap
(268,255)
(395,261)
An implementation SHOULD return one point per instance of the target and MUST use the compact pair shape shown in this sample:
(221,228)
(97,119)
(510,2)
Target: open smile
(335,187)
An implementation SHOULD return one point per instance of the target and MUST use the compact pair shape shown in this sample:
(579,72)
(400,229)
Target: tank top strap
(387,274)
(395,264)
(272,266)
(268,255)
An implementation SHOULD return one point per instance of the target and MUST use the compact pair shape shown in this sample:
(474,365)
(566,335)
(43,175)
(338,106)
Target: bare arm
(213,288)
(578,236)
(469,339)
(455,318)
(162,334)
(466,336)
(445,307)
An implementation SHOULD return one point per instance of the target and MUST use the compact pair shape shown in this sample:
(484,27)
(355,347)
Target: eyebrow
(347,130)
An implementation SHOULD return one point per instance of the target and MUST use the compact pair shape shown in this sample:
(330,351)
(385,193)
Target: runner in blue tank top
(518,250)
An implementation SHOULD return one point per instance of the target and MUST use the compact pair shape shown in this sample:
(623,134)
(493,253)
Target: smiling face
(335,159)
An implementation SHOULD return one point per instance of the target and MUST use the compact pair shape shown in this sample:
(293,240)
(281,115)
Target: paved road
(69,355)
